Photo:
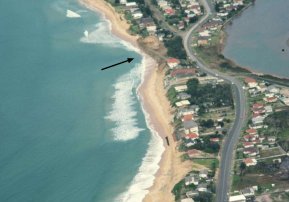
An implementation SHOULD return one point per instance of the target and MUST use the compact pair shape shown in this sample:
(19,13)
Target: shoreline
(153,100)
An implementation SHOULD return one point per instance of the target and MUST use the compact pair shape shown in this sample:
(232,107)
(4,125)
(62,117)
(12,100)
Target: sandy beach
(154,100)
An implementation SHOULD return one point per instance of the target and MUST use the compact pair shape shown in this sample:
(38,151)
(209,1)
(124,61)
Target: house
(285,100)
(251,151)
(205,33)
(250,162)
(182,103)
(192,179)
(202,187)
(238,2)
(251,83)
(181,88)
(270,99)
(173,62)
(268,109)
(248,192)
(187,200)
(251,131)
(181,73)
(130,4)
(192,136)
(193,153)
(187,117)
(248,144)
(123,2)
(193,109)
(183,96)
(192,194)
(257,106)
(237,198)
(214,139)
(190,127)
(204,174)
(149,24)
(137,15)
(271,139)
(169,11)
(249,138)
(273,89)
(257,119)
(203,41)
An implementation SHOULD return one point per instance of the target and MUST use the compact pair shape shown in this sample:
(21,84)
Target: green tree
(242,168)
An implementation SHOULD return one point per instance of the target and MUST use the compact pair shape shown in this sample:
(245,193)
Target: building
(270,99)
(251,131)
(181,88)
(251,83)
(202,187)
(204,174)
(193,153)
(248,144)
(187,200)
(192,179)
(190,127)
(182,103)
(192,136)
(183,96)
(250,162)
(192,194)
(173,62)
(237,198)
(251,151)
(188,117)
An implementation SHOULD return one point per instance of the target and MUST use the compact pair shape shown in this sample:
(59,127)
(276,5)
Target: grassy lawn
(207,162)
(263,181)
(270,152)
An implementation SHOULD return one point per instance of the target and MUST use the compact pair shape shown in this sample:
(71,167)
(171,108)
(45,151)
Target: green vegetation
(175,48)
(209,94)
(207,123)
(278,125)
(206,145)
(172,95)
(177,190)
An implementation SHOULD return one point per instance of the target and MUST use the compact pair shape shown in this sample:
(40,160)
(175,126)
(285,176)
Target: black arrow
(128,60)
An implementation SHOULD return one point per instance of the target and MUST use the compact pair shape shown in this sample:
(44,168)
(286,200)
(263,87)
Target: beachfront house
(181,88)
(190,127)
(192,179)
(172,62)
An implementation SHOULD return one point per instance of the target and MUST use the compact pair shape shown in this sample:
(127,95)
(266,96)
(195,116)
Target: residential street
(223,184)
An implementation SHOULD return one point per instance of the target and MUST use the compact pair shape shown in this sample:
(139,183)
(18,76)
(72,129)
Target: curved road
(240,107)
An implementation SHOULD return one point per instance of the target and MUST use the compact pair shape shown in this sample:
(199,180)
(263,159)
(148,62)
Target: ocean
(257,37)
(70,132)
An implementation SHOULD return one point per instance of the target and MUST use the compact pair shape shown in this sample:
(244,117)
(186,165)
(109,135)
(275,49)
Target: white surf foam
(123,112)
(101,34)
(144,179)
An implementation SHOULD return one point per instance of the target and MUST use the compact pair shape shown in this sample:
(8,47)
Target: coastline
(156,108)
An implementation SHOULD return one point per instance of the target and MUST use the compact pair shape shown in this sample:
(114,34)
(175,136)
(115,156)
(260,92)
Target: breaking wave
(145,176)
(124,112)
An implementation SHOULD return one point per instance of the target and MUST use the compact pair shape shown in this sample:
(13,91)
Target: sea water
(257,38)
(69,131)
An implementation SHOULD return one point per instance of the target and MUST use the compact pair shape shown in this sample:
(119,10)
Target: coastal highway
(223,184)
